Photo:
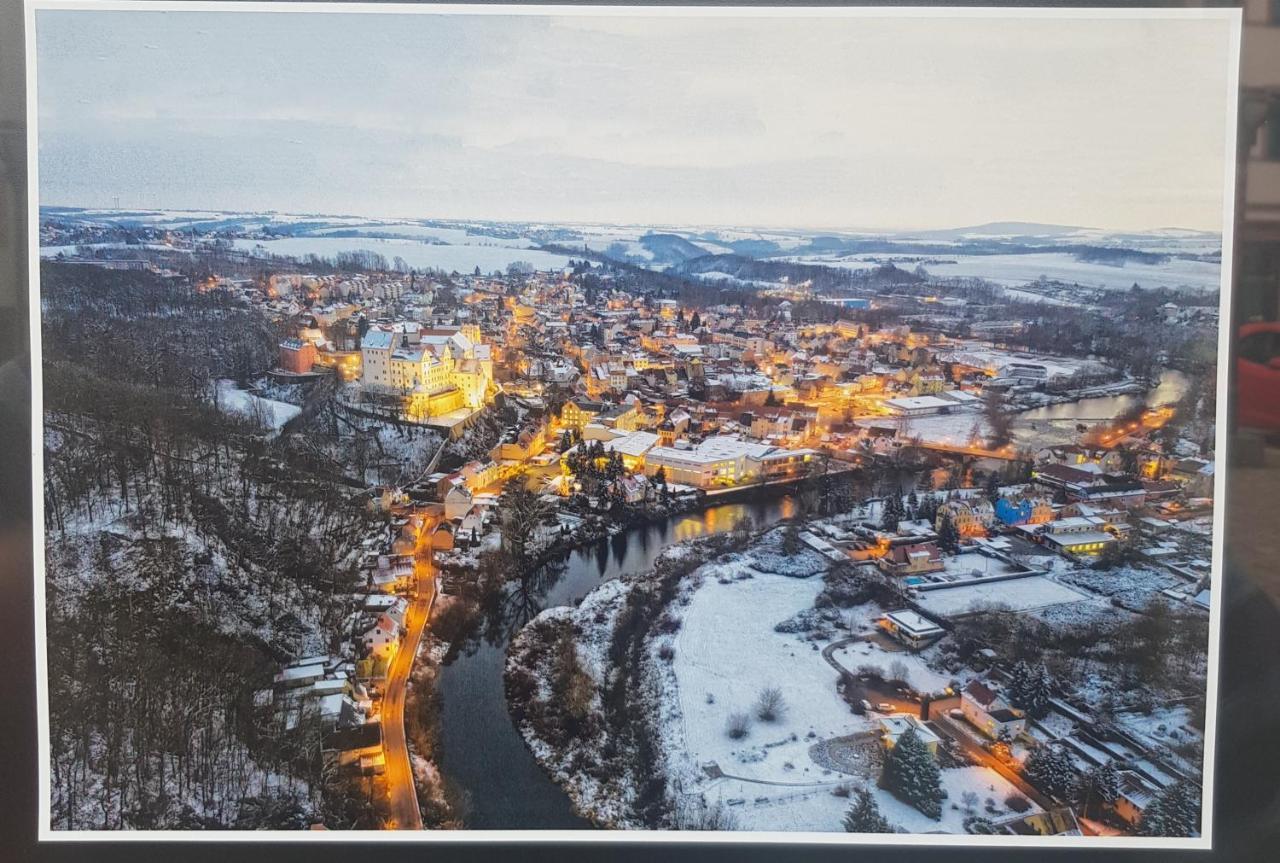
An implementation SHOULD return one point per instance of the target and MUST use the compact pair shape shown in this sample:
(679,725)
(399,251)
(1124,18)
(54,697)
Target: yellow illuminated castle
(437,370)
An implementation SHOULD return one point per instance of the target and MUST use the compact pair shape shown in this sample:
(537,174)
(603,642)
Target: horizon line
(631,223)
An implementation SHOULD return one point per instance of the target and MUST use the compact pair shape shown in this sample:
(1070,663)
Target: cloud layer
(817,122)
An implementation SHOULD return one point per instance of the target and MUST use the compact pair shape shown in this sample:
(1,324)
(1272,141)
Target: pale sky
(872,123)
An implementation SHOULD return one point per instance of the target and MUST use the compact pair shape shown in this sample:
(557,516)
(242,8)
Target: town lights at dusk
(549,422)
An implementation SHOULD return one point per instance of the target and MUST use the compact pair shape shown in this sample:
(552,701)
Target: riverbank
(481,749)
(578,687)
(440,808)
(596,527)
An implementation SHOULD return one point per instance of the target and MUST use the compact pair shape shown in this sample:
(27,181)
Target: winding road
(403,813)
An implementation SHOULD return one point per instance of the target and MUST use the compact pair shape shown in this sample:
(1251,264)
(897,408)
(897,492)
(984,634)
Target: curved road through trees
(403,812)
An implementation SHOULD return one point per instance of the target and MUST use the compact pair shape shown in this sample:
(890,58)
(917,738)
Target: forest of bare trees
(187,555)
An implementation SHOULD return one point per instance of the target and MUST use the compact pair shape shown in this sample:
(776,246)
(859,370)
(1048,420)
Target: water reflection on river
(1056,424)
(480,749)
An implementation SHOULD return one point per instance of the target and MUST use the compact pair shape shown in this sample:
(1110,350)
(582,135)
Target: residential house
(894,726)
(911,628)
(393,572)
(1023,510)
(579,411)
(442,538)
(911,559)
(380,635)
(970,517)
(358,748)
(989,713)
(457,501)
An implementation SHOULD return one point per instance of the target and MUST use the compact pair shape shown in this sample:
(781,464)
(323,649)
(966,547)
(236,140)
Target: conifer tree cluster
(911,773)
(948,536)
(1050,769)
(593,466)
(1097,787)
(1175,811)
(1030,688)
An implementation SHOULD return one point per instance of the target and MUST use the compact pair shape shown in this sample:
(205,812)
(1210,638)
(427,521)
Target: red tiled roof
(980,693)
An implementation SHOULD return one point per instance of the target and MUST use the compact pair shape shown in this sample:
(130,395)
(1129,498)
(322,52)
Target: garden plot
(1016,594)
(1164,727)
(919,676)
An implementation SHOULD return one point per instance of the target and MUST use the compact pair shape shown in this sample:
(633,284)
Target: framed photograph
(631,423)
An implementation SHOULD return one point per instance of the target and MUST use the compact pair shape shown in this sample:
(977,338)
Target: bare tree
(770,705)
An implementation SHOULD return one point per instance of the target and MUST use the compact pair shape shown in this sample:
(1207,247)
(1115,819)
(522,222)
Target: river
(1056,424)
(480,749)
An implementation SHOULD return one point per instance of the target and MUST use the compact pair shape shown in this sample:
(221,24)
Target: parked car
(884,707)
(866,705)
(1258,374)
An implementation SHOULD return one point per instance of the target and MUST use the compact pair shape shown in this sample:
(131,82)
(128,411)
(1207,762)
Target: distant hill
(671,248)
(997,229)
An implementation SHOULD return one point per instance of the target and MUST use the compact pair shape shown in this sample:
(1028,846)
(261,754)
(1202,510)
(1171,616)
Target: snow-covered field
(1055,266)
(726,651)
(460,258)
(273,414)
(957,429)
(54,251)
(704,669)
(451,236)
(1018,594)
(1020,269)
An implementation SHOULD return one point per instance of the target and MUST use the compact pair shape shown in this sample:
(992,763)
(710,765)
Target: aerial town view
(411,521)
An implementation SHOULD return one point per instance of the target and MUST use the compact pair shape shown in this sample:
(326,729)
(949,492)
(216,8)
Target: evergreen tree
(1050,769)
(566,441)
(791,538)
(892,512)
(864,816)
(660,477)
(1175,811)
(695,323)
(948,536)
(1030,688)
(1098,786)
(911,773)
(993,487)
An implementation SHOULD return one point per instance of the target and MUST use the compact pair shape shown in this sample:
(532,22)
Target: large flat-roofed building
(726,461)
(1081,544)
(919,406)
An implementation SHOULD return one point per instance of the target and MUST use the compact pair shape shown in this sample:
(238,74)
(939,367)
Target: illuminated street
(403,799)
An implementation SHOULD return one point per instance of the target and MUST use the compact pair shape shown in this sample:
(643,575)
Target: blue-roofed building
(1023,510)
